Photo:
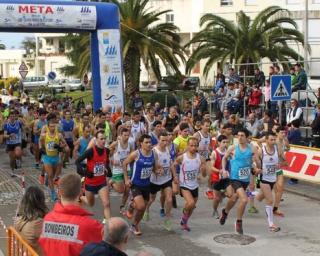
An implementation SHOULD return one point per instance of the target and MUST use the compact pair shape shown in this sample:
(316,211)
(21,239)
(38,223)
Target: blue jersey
(15,129)
(39,126)
(83,145)
(241,164)
(141,169)
(154,139)
(172,152)
(67,128)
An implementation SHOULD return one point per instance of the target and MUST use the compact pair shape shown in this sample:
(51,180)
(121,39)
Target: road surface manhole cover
(234,239)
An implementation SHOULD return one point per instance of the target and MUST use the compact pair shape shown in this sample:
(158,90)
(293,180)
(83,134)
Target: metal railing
(17,246)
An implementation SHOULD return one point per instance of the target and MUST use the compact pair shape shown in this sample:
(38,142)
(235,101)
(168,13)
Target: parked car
(191,83)
(75,84)
(33,82)
(59,85)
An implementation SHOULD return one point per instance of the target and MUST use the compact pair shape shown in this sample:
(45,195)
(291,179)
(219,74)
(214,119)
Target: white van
(33,82)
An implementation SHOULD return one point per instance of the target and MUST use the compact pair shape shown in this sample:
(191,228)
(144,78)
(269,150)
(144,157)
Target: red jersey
(67,229)
(215,176)
(97,165)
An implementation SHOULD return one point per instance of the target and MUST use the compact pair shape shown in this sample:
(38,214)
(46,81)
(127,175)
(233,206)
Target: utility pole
(305,31)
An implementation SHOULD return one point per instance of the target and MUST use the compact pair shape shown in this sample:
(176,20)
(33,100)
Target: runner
(51,144)
(149,117)
(155,133)
(217,181)
(120,150)
(138,127)
(82,143)
(270,157)
(143,163)
(283,145)
(38,125)
(243,155)
(162,183)
(95,173)
(67,125)
(191,164)
(12,134)
(204,150)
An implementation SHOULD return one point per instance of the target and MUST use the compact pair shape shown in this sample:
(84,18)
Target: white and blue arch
(100,19)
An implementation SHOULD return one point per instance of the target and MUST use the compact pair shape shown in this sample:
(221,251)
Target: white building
(186,15)
(10,61)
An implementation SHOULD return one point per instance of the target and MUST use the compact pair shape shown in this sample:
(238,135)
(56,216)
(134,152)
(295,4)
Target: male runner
(143,162)
(38,125)
(271,157)
(191,164)
(242,157)
(163,182)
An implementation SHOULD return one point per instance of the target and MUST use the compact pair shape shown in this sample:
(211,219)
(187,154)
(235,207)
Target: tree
(2,46)
(143,37)
(29,44)
(266,36)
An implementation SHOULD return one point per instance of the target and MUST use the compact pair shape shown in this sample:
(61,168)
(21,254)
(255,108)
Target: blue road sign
(280,87)
(52,75)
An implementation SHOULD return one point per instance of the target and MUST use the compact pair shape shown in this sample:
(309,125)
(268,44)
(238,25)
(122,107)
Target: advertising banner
(110,68)
(26,15)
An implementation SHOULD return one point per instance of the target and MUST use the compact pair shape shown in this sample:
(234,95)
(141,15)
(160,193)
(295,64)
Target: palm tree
(246,41)
(145,38)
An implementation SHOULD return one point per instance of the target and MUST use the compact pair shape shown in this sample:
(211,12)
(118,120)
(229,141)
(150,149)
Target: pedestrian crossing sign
(280,87)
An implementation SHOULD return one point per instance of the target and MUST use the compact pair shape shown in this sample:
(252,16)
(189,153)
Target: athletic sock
(239,221)
(275,209)
(269,214)
(185,216)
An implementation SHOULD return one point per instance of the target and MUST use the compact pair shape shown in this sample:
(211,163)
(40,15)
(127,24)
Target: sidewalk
(306,189)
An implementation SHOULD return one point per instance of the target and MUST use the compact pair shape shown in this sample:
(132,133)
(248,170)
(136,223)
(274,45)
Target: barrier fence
(17,246)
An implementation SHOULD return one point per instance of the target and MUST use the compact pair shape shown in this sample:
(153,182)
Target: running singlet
(79,126)
(50,142)
(164,160)
(39,126)
(189,172)
(215,176)
(204,145)
(141,169)
(97,165)
(241,164)
(269,164)
(67,127)
(181,143)
(172,151)
(137,130)
(83,145)
(118,157)
(15,129)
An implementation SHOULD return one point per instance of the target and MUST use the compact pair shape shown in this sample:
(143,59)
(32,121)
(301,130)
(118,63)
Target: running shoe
(184,225)
(135,230)
(238,227)
(41,179)
(274,228)
(215,214)
(210,194)
(278,213)
(167,224)
(146,216)
(37,166)
(162,213)
(223,217)
(253,209)
(56,181)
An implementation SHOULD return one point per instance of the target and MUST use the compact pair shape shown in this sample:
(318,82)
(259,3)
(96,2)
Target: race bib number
(191,175)
(166,171)
(98,169)
(270,169)
(204,154)
(244,173)
(145,173)
(50,146)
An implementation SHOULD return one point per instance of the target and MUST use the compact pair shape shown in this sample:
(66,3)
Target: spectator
(277,70)
(217,98)
(228,97)
(203,104)
(137,102)
(255,97)
(294,138)
(172,120)
(68,228)
(302,78)
(252,125)
(220,74)
(116,235)
(233,76)
(225,117)
(116,115)
(30,218)
(315,125)
(235,124)
(267,122)
(295,113)
(219,83)
(259,77)
(293,76)
(271,71)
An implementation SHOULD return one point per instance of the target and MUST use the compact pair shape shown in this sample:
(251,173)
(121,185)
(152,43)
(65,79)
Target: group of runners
(145,154)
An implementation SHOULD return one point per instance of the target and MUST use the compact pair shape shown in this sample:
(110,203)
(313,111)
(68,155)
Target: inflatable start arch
(100,19)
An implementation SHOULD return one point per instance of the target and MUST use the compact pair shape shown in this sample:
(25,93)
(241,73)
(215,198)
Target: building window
(251,2)
(293,1)
(170,18)
(49,41)
(316,1)
(226,2)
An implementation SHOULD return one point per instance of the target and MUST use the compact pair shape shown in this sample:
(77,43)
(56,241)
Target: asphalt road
(299,233)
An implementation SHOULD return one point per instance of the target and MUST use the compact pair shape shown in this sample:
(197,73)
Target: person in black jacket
(315,125)
(116,235)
